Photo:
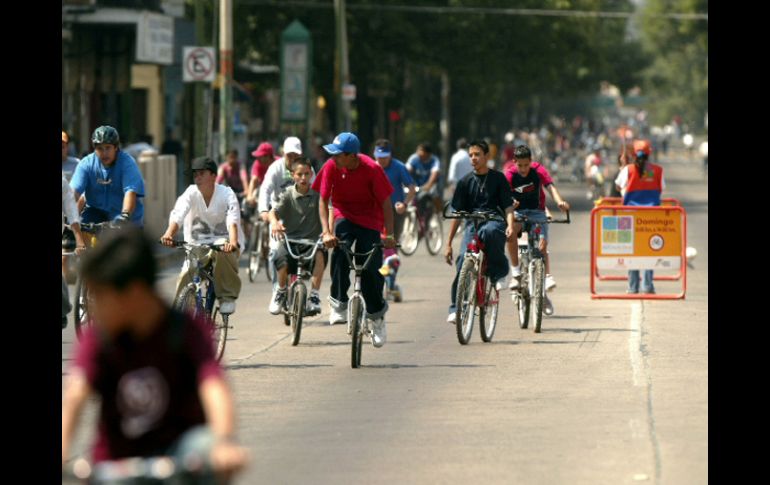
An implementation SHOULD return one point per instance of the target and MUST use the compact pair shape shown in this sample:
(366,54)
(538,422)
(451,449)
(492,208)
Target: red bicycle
(476,294)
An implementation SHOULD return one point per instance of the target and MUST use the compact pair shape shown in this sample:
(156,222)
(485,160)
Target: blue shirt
(105,187)
(399,177)
(421,171)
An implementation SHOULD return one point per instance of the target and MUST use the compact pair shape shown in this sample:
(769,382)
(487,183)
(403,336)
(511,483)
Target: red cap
(263,149)
(642,145)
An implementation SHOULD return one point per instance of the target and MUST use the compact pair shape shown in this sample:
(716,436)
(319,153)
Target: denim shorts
(535,215)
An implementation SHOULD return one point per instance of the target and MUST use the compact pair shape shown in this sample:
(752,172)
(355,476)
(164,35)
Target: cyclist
(484,189)
(297,209)
(529,181)
(233,174)
(68,165)
(209,211)
(399,177)
(361,194)
(162,390)
(70,209)
(425,169)
(108,182)
(278,176)
(641,183)
(263,158)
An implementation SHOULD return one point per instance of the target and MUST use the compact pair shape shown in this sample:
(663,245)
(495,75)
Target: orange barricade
(638,237)
(606,201)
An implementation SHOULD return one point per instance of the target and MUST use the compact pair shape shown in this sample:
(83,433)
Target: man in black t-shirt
(482,190)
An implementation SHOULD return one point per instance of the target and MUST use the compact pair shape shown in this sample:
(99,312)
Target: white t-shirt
(277,179)
(205,224)
(459,166)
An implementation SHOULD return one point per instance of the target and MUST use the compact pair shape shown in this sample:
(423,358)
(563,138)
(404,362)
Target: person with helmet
(108,182)
(641,183)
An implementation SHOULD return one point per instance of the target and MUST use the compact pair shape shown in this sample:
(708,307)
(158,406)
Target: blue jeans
(633,281)
(492,234)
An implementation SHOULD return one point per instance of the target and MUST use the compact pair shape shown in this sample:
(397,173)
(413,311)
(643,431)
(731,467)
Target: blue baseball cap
(344,142)
(382,152)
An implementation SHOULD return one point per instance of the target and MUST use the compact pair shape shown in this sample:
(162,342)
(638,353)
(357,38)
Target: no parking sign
(199,64)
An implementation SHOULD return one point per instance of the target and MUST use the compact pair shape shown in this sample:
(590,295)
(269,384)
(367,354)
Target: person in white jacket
(69,208)
(210,211)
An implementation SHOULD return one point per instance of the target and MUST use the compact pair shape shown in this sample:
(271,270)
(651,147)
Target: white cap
(292,145)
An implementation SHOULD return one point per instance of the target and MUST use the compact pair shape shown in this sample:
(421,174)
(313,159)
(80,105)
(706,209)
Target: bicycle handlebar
(475,215)
(303,242)
(523,218)
(190,245)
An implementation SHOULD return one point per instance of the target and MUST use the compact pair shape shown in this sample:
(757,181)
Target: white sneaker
(227,307)
(452,318)
(515,275)
(502,282)
(379,334)
(276,304)
(336,317)
(550,283)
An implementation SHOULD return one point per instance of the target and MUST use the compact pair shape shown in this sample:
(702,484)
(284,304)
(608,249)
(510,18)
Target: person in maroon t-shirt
(360,191)
(162,391)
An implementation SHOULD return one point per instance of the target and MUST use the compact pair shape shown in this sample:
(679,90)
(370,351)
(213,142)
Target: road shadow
(573,317)
(416,366)
(582,330)
(275,366)
(524,342)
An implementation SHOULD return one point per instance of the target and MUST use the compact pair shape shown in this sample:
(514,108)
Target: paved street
(611,392)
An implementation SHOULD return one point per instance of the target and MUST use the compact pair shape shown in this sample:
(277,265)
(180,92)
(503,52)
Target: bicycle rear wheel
(466,300)
(80,312)
(521,296)
(219,324)
(487,327)
(538,293)
(299,300)
(356,334)
(409,235)
(434,234)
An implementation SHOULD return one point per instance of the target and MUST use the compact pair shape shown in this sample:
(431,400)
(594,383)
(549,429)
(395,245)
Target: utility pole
(200,120)
(226,73)
(343,106)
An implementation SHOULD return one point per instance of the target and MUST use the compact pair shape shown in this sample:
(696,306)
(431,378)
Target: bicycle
(295,304)
(475,291)
(144,470)
(530,295)
(198,298)
(358,326)
(259,249)
(417,226)
(80,314)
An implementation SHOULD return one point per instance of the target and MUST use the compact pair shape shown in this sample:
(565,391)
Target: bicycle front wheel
(254,253)
(466,300)
(434,236)
(299,300)
(409,236)
(356,334)
(538,293)
(490,308)
(186,301)
(80,312)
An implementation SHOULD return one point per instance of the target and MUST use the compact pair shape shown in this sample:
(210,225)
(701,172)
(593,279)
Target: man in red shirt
(163,393)
(361,194)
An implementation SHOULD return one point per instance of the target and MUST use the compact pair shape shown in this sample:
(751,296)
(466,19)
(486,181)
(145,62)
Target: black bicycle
(198,298)
(295,304)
